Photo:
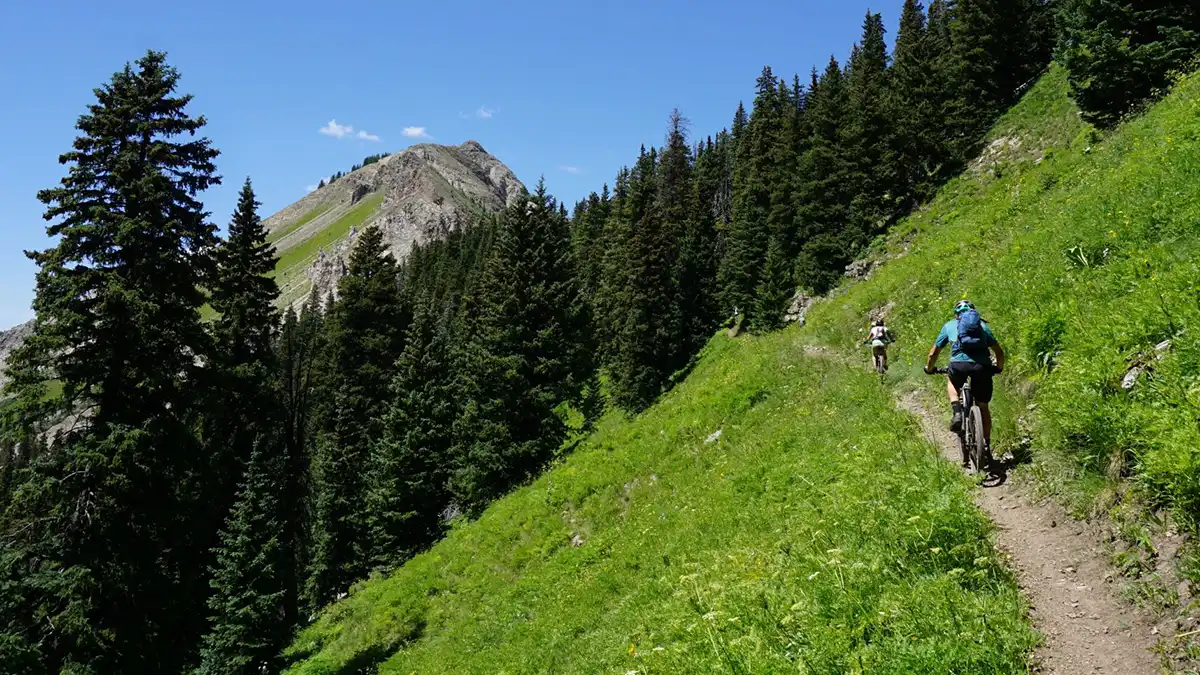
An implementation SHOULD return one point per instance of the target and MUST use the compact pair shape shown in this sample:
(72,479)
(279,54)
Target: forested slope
(1080,249)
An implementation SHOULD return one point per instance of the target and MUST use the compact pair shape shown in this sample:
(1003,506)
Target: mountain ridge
(416,195)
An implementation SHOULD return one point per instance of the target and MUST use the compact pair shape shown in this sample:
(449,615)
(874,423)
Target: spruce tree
(364,337)
(996,49)
(300,356)
(609,303)
(696,263)
(1119,54)
(587,231)
(645,321)
(103,538)
(747,237)
(244,404)
(675,209)
(244,418)
(248,581)
(776,284)
(824,189)
(867,136)
(522,354)
(915,102)
(406,490)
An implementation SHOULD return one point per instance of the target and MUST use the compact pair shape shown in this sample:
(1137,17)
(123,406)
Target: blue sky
(567,89)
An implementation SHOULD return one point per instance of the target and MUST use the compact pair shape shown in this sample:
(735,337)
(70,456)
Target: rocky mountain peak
(417,195)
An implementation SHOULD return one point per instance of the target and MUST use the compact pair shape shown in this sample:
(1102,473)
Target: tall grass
(817,533)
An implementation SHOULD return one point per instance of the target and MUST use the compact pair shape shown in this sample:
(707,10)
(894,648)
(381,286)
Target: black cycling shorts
(980,376)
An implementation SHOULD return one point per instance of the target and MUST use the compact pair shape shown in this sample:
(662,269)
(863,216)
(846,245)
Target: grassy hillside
(819,530)
(1083,254)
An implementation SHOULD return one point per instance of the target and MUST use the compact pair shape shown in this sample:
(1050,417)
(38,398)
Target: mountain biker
(879,337)
(970,339)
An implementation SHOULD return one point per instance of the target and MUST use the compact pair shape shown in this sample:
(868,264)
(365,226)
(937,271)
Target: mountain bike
(970,436)
(879,360)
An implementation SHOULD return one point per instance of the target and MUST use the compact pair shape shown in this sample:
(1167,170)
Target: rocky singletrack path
(1061,567)
(1063,572)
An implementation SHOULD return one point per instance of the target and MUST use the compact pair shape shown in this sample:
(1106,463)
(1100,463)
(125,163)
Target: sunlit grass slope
(303,220)
(294,261)
(1083,263)
(817,533)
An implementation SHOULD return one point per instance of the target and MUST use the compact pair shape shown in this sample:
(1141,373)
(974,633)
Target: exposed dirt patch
(1062,568)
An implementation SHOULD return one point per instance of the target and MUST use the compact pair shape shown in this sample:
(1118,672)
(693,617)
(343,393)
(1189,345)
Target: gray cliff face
(424,192)
(9,340)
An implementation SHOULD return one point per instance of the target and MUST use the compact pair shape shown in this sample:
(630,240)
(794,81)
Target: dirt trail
(1062,568)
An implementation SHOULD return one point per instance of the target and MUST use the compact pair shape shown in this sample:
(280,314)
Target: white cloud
(416,132)
(336,130)
(364,136)
(571,169)
(483,113)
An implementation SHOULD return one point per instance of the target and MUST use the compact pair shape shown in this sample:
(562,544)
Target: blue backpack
(972,341)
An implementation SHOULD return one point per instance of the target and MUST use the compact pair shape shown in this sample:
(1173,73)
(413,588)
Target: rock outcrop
(9,340)
(423,192)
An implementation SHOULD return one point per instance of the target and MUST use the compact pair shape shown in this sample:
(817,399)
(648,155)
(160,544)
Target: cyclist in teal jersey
(970,358)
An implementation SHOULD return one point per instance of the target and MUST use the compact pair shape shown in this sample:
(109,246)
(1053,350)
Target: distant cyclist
(879,337)
(971,344)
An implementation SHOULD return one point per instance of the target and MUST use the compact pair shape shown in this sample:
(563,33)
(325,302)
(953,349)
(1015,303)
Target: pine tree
(915,101)
(587,231)
(244,405)
(299,352)
(776,284)
(522,354)
(101,540)
(1120,53)
(747,237)
(407,482)
(364,337)
(825,184)
(996,49)
(609,303)
(645,321)
(248,627)
(867,135)
(696,264)
(676,211)
(244,417)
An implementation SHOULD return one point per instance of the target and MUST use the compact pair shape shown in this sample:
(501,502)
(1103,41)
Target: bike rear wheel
(978,442)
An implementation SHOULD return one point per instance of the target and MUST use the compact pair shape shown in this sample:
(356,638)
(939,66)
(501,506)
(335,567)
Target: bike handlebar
(946,371)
